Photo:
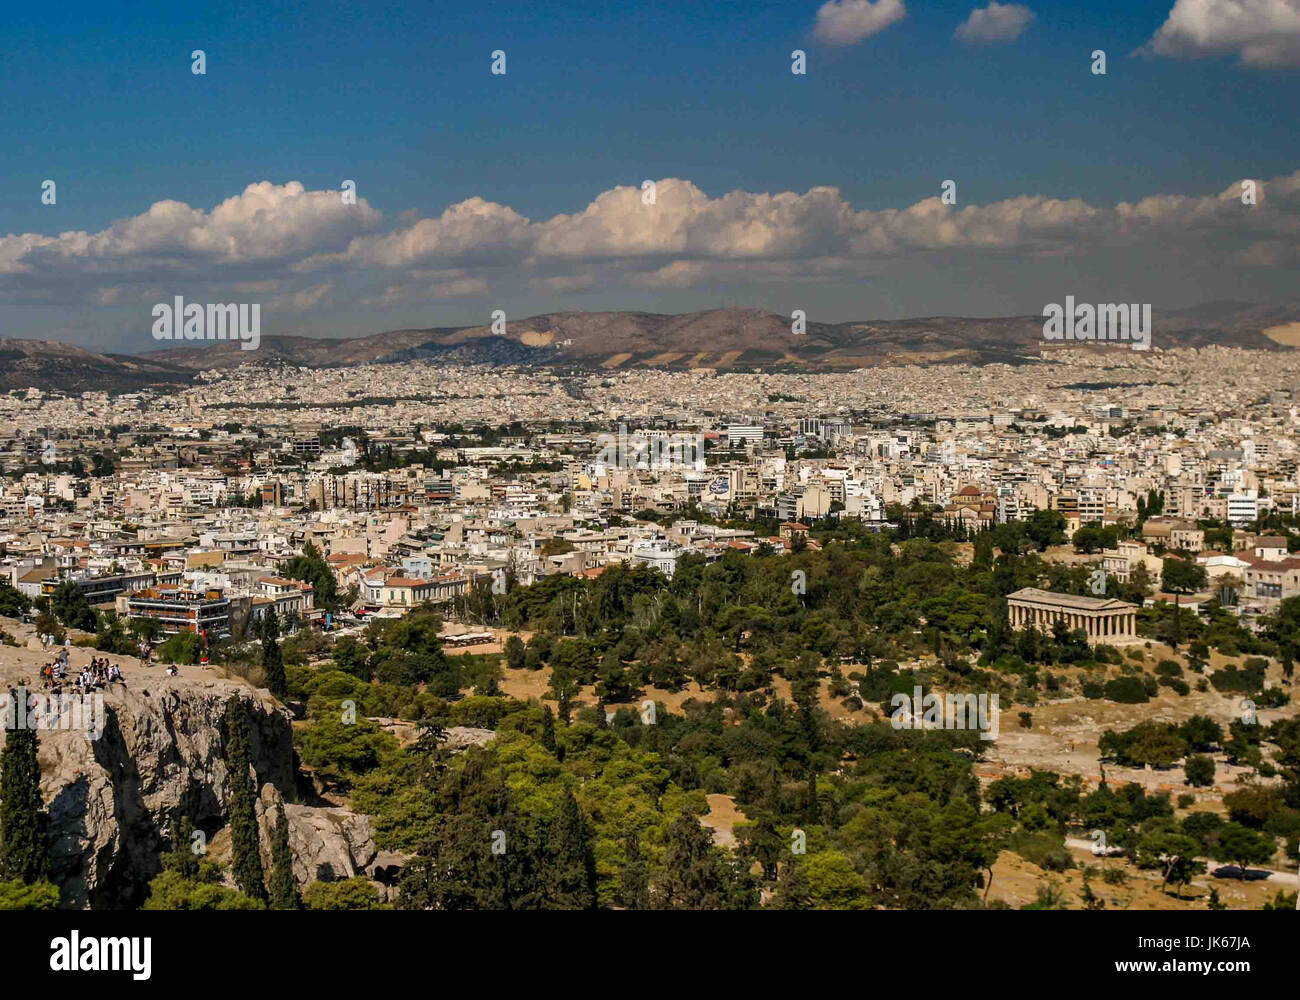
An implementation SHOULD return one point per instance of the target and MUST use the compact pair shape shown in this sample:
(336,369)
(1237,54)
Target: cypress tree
(634,882)
(812,811)
(548,728)
(793,891)
(284,890)
(694,876)
(245,853)
(24,854)
(571,863)
(181,858)
(272,659)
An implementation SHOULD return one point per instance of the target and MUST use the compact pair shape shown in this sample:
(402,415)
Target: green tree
(284,890)
(13,602)
(1173,853)
(173,891)
(182,858)
(24,854)
(1046,527)
(19,895)
(548,728)
(1242,846)
(312,568)
(696,874)
(348,894)
(833,883)
(1181,576)
(241,794)
(793,890)
(351,657)
(515,652)
(571,876)
(69,604)
(634,879)
(272,658)
(1200,770)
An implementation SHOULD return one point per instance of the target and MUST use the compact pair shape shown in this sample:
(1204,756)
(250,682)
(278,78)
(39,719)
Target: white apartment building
(1243,508)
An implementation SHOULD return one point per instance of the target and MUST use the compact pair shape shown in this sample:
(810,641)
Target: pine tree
(793,891)
(694,876)
(272,659)
(284,890)
(570,882)
(24,854)
(634,881)
(241,794)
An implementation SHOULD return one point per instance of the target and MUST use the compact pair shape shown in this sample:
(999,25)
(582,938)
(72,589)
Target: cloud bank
(306,249)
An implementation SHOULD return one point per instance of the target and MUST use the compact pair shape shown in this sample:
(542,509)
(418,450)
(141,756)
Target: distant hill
(734,339)
(49,364)
(731,339)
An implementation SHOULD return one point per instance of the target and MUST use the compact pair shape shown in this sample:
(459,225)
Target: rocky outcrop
(161,747)
(454,738)
(111,794)
(328,843)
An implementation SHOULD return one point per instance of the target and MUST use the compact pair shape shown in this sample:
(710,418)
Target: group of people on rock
(93,677)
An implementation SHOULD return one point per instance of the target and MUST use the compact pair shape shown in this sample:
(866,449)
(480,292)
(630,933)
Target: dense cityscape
(828,455)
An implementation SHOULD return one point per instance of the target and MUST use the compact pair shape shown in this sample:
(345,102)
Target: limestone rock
(329,844)
(109,798)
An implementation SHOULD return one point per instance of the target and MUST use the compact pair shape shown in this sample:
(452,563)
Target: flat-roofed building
(181,609)
(1103,619)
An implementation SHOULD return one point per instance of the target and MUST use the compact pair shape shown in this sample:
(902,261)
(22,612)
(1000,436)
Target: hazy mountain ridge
(731,338)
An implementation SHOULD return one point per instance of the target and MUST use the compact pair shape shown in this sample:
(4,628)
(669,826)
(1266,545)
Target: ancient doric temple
(1104,619)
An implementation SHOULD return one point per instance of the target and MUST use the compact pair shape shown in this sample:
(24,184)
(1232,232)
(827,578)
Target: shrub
(1126,691)
(1232,680)
(1199,769)
(349,894)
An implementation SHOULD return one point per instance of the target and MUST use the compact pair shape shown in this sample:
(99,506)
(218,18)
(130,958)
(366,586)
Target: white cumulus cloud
(1262,33)
(998,22)
(300,251)
(847,22)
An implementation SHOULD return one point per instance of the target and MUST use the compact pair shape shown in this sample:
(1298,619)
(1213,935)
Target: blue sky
(399,98)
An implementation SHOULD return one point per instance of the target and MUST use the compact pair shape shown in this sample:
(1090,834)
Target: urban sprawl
(415,481)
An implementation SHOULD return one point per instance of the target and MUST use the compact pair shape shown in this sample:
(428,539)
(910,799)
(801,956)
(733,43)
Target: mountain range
(726,339)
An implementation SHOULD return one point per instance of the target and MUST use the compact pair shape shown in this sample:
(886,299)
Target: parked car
(1232,871)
